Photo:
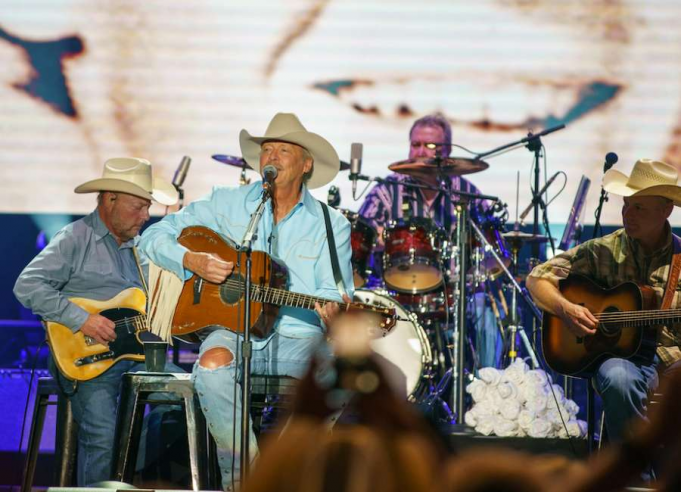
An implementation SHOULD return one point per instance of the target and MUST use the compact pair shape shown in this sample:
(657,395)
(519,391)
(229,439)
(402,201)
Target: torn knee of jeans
(216,358)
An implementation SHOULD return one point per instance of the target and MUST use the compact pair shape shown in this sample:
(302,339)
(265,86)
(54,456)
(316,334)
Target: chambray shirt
(299,241)
(82,260)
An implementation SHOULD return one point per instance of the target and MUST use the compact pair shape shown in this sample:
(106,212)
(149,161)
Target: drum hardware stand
(247,352)
(514,326)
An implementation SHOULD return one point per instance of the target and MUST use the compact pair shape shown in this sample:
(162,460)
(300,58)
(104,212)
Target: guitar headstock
(386,318)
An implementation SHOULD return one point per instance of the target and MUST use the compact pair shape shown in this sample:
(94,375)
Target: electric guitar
(79,357)
(203,303)
(627,317)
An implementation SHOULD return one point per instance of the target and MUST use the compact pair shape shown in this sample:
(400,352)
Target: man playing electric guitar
(641,252)
(93,258)
(293,230)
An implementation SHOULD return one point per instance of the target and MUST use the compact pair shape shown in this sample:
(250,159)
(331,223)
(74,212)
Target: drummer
(430,137)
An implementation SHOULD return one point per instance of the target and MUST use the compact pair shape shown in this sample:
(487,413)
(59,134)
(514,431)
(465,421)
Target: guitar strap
(673,277)
(140,271)
(332,250)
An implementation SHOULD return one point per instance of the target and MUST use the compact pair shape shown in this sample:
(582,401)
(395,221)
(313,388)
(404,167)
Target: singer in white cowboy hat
(94,258)
(640,252)
(291,229)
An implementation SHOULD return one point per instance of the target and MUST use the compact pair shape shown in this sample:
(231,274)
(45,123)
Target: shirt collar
(306,199)
(101,231)
(664,250)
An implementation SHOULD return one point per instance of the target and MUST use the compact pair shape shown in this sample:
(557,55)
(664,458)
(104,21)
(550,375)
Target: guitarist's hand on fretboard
(99,328)
(578,319)
(330,310)
(208,266)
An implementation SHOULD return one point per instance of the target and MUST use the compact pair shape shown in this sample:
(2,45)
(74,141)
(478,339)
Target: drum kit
(414,266)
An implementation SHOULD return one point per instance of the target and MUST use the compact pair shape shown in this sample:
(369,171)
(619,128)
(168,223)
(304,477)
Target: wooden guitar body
(79,357)
(581,356)
(203,303)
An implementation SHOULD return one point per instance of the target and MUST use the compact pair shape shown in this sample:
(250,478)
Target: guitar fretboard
(281,297)
(637,319)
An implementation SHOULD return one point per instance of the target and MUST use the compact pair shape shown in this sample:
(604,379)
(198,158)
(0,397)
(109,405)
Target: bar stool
(270,394)
(178,388)
(66,437)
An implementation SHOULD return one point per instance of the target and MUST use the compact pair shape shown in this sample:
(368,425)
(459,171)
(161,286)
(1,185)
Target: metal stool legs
(135,394)
(65,438)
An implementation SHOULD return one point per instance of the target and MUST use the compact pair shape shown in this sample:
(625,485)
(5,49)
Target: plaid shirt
(616,258)
(384,202)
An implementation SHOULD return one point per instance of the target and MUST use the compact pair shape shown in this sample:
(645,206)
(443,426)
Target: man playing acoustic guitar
(292,229)
(642,252)
(93,258)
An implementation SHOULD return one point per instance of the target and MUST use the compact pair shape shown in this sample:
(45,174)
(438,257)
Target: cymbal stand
(514,326)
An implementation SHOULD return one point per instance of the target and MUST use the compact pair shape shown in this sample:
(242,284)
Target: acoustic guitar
(627,320)
(79,357)
(203,303)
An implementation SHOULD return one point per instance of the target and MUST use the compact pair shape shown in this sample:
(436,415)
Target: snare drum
(404,353)
(362,240)
(411,258)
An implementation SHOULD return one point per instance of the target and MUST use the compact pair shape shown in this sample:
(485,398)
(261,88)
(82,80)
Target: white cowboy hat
(648,178)
(132,175)
(286,127)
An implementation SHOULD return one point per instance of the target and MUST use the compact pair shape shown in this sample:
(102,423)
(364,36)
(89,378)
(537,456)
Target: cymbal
(450,166)
(230,160)
(235,161)
(524,237)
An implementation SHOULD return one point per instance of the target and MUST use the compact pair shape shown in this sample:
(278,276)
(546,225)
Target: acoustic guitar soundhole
(232,291)
(610,329)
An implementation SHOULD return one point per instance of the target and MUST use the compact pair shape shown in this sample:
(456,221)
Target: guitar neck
(281,297)
(640,318)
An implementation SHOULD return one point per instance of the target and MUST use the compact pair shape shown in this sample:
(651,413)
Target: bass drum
(404,353)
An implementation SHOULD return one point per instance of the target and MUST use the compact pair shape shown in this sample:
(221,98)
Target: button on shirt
(82,260)
(298,241)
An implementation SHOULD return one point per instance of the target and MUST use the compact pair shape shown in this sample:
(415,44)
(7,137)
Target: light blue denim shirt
(82,260)
(298,241)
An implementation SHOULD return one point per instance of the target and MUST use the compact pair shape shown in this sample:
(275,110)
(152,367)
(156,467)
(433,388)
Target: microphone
(355,165)
(541,192)
(269,174)
(181,172)
(610,160)
(333,199)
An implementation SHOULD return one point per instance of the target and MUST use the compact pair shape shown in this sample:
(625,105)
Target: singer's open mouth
(484,103)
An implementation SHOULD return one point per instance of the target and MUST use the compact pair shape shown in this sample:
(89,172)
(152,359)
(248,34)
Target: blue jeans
(94,405)
(487,336)
(220,392)
(624,388)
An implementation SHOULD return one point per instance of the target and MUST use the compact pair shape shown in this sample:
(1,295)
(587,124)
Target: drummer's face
(421,137)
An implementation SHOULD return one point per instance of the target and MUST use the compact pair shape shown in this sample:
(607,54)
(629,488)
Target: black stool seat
(66,436)
(174,388)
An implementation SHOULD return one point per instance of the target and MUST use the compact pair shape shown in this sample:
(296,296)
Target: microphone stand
(533,143)
(247,349)
(597,225)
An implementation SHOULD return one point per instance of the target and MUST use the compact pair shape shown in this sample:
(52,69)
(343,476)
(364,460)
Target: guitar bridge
(83,361)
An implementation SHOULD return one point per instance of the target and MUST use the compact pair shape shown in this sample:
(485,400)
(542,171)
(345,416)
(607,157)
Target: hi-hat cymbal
(235,161)
(524,237)
(450,166)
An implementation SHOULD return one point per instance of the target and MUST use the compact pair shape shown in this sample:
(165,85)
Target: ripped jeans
(220,392)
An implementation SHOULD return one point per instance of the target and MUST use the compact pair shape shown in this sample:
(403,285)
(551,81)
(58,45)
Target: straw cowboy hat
(648,178)
(286,127)
(133,176)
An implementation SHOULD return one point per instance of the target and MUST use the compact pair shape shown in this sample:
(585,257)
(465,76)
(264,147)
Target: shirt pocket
(98,267)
